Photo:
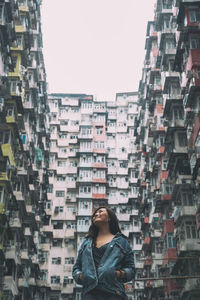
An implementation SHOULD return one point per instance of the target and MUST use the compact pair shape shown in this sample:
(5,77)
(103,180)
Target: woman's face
(101,216)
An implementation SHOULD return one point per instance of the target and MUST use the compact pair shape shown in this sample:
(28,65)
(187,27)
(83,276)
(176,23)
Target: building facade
(24,147)
(92,163)
(168,136)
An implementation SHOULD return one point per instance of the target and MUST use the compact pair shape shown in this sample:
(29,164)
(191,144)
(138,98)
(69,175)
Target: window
(158,246)
(63,150)
(58,209)
(182,139)
(138,240)
(43,275)
(85,189)
(71,209)
(178,113)
(69,260)
(187,199)
(85,131)
(171,242)
(99,145)
(167,4)
(99,159)
(67,280)
(194,15)
(198,72)
(157,80)
(78,296)
(55,280)
(84,204)
(100,189)
(61,163)
(83,222)
(85,174)
(191,232)
(62,136)
(50,188)
(10,112)
(85,145)
(5,137)
(99,130)
(60,193)
(48,204)
(57,243)
(1,194)
(71,225)
(86,105)
(56,260)
(53,144)
(57,225)
(195,43)
(99,174)
(60,178)
(164,164)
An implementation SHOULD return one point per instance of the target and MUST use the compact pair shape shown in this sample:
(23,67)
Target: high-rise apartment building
(23,149)
(92,163)
(168,136)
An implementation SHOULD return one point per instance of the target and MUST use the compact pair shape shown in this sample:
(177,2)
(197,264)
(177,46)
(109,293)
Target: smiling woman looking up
(105,259)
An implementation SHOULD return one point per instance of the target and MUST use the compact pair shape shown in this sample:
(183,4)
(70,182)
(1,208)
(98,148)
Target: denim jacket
(118,256)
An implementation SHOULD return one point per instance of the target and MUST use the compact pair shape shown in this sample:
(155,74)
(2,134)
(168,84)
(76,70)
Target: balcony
(8,152)
(84,179)
(84,136)
(158,283)
(124,217)
(47,228)
(167,78)
(184,211)
(23,6)
(188,245)
(12,252)
(112,170)
(71,170)
(98,196)
(133,180)
(4,176)
(62,142)
(45,247)
(19,195)
(25,254)
(82,228)
(122,171)
(58,234)
(15,222)
(189,286)
(10,285)
(22,282)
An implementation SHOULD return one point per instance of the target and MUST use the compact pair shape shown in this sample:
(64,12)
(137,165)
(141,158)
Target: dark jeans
(101,295)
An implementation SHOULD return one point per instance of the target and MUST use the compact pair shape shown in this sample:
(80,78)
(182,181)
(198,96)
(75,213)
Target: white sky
(94,46)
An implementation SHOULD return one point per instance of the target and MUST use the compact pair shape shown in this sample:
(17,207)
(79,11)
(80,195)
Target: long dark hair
(113,224)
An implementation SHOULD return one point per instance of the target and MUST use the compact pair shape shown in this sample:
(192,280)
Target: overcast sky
(94,46)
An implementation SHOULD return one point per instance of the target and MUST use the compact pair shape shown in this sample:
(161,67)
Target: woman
(105,259)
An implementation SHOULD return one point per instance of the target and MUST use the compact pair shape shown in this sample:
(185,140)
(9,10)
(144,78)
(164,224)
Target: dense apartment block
(91,163)
(168,136)
(23,149)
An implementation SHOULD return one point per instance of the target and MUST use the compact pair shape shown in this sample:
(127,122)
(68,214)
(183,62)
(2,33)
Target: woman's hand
(80,276)
(120,274)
